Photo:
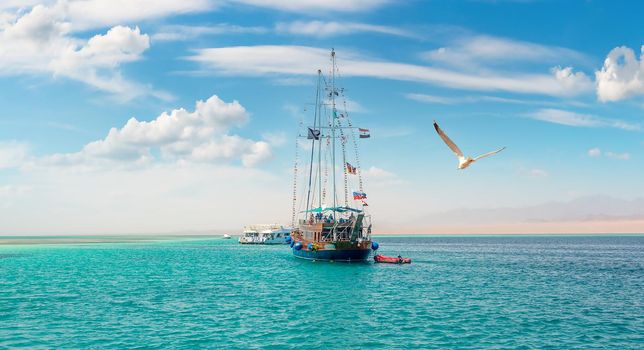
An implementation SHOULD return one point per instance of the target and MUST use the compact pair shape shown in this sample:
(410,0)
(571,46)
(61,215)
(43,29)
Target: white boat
(265,234)
(226,236)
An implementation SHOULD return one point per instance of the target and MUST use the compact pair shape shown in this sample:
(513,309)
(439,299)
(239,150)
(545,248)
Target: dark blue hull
(344,255)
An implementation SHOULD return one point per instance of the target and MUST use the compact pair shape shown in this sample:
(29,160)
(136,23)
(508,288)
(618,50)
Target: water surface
(459,292)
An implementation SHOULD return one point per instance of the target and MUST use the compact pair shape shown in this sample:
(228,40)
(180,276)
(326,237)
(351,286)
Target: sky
(168,116)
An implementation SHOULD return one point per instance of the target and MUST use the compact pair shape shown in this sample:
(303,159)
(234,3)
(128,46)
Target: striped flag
(364,133)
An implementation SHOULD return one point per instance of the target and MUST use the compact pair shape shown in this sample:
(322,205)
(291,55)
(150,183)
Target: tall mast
(333,127)
(318,107)
(315,122)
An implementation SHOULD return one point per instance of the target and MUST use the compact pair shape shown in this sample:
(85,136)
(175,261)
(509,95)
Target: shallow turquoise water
(459,292)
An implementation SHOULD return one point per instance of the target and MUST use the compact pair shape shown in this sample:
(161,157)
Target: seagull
(463,162)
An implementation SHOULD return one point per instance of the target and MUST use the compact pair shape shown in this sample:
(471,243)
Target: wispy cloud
(302,60)
(90,14)
(597,152)
(594,152)
(483,50)
(184,32)
(326,29)
(309,6)
(569,118)
(536,173)
(449,100)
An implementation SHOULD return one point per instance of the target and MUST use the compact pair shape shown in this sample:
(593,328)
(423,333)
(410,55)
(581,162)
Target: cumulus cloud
(302,60)
(570,81)
(199,136)
(569,118)
(13,154)
(621,76)
(40,42)
(332,28)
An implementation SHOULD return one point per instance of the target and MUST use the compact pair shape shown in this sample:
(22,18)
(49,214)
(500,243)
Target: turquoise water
(459,292)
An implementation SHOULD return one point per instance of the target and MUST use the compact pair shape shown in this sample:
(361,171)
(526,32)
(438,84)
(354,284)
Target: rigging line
(344,167)
(297,146)
(355,147)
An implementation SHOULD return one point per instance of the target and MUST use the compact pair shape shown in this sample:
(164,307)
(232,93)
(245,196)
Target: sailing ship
(329,224)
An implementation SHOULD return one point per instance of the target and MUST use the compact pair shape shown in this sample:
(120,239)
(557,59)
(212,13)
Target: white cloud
(378,178)
(620,156)
(378,173)
(199,136)
(538,173)
(571,81)
(13,154)
(317,5)
(559,116)
(452,100)
(39,42)
(326,29)
(621,76)
(474,51)
(182,32)
(89,14)
(161,198)
(594,152)
(301,60)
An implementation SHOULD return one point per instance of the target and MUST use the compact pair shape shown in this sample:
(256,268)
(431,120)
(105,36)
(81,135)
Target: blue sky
(560,84)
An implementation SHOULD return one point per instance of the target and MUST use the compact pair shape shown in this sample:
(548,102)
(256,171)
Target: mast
(317,107)
(333,127)
(315,122)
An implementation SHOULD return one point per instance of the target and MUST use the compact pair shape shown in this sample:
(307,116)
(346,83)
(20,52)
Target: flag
(351,169)
(313,134)
(359,195)
(364,133)
(364,204)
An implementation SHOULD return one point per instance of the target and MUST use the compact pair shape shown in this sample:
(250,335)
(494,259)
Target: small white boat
(226,236)
(265,234)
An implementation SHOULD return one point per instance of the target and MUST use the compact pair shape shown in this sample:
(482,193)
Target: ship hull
(343,255)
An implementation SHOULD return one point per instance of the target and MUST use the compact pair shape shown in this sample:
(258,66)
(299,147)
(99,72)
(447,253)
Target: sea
(459,292)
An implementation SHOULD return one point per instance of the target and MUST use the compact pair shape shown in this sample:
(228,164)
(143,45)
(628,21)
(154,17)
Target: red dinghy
(391,259)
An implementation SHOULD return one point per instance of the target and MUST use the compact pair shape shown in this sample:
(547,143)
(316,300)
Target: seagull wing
(489,154)
(447,140)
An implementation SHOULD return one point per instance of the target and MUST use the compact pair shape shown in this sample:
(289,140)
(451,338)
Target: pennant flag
(313,134)
(359,195)
(364,133)
(364,204)
(351,169)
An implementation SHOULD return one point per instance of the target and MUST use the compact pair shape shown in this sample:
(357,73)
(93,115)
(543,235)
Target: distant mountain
(590,208)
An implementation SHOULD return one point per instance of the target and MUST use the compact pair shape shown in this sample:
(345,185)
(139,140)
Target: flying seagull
(463,162)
